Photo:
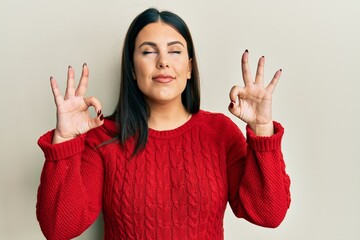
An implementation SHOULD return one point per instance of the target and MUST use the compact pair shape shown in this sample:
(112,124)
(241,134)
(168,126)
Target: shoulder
(218,123)
(214,118)
(224,131)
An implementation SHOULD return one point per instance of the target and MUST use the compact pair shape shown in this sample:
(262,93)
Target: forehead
(159,33)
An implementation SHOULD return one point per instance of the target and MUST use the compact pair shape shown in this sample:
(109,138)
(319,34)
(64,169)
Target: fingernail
(231,105)
(51,77)
(99,113)
(280,70)
(262,56)
(69,66)
(101,117)
(246,51)
(84,64)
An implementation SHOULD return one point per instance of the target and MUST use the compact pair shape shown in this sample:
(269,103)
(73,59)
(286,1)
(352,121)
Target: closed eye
(175,52)
(148,52)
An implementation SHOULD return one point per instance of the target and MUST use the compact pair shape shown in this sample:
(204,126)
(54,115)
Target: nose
(162,62)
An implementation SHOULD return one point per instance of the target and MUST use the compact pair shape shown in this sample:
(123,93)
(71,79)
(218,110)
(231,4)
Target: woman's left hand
(252,103)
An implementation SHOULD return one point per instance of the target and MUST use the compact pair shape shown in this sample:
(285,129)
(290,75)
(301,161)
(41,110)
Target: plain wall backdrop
(316,43)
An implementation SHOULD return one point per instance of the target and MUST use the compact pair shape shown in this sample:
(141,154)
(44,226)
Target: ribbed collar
(176,131)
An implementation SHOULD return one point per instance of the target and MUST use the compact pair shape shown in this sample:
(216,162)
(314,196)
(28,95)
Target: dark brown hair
(132,112)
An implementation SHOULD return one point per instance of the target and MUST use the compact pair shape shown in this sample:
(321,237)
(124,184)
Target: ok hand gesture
(252,103)
(73,117)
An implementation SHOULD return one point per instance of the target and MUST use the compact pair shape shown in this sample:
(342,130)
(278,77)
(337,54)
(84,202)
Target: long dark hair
(132,112)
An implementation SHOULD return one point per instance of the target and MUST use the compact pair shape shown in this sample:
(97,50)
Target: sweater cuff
(261,143)
(55,152)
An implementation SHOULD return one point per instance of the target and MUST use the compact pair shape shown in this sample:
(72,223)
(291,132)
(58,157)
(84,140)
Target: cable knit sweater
(177,188)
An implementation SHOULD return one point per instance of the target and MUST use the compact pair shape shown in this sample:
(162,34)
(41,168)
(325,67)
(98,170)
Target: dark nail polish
(246,51)
(69,66)
(231,105)
(99,113)
(84,64)
(262,56)
(280,70)
(101,117)
(51,78)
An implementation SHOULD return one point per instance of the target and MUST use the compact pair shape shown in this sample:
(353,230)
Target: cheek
(182,67)
(142,68)
(141,80)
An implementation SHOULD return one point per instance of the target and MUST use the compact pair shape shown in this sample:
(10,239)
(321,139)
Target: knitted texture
(176,188)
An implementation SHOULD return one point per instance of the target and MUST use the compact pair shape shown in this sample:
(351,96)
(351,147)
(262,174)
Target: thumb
(97,121)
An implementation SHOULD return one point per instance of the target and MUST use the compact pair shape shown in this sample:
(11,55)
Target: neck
(167,116)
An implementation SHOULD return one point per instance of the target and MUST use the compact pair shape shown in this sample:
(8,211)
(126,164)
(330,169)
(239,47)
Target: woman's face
(161,63)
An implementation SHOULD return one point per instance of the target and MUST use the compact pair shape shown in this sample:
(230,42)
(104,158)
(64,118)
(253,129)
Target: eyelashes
(175,52)
(147,52)
(154,52)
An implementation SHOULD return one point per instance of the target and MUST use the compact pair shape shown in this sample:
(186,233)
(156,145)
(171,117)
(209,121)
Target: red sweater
(177,188)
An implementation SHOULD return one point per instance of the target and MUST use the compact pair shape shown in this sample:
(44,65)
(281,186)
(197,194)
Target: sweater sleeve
(258,184)
(70,191)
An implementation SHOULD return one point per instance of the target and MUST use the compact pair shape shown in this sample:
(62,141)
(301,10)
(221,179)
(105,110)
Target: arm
(69,195)
(259,188)
(258,183)
(70,191)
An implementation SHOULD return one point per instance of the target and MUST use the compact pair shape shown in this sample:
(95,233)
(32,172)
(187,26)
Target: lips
(163,78)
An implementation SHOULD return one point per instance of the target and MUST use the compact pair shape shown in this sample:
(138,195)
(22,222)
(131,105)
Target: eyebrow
(154,44)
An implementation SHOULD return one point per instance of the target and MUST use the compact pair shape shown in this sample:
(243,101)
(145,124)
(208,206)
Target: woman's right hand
(73,117)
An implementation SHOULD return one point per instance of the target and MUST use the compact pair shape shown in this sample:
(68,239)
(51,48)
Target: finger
(93,102)
(245,68)
(81,89)
(56,92)
(99,120)
(259,79)
(274,81)
(236,93)
(70,86)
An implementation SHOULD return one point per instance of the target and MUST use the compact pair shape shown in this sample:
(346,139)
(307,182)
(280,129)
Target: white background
(316,43)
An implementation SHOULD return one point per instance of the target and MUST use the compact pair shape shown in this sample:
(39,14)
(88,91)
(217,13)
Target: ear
(189,69)
(133,73)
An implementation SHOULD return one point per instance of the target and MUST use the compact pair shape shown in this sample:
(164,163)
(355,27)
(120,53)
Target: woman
(159,167)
